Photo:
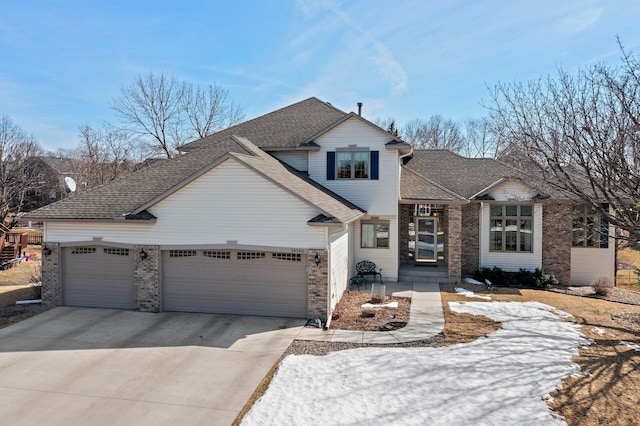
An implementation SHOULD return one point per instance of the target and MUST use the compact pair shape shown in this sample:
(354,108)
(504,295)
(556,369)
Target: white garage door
(98,277)
(235,282)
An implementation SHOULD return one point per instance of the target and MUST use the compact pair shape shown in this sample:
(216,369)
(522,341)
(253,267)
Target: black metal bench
(366,267)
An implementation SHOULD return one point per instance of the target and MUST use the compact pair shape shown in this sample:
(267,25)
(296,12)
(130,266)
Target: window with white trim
(589,229)
(374,234)
(352,164)
(511,228)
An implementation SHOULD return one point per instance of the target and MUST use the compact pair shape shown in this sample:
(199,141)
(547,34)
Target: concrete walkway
(426,319)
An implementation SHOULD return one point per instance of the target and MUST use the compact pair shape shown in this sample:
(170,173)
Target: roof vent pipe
(360,108)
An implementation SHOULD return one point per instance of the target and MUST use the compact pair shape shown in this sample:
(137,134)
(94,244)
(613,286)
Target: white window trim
(518,218)
(352,150)
(376,222)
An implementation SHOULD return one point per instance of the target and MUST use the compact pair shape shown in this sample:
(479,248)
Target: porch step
(425,273)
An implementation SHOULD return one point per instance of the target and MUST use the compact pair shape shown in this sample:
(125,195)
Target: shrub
(522,278)
(602,286)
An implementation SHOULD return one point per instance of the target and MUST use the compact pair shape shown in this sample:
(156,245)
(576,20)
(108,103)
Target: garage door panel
(100,277)
(237,282)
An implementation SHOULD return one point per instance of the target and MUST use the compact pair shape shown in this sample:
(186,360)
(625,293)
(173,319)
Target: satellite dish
(71,184)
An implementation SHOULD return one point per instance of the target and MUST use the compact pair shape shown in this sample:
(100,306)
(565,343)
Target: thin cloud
(582,20)
(381,57)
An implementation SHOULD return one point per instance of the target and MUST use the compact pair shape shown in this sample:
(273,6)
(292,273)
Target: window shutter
(331,165)
(375,156)
(604,229)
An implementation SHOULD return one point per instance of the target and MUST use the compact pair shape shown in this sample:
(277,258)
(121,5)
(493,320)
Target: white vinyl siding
(229,203)
(589,263)
(510,261)
(383,258)
(377,197)
(512,191)
(299,160)
(339,264)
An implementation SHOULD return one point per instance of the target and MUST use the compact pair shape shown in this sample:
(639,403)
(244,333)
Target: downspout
(481,242)
(400,157)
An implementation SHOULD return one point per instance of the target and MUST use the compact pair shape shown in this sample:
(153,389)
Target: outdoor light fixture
(143,254)
(317,259)
(46,251)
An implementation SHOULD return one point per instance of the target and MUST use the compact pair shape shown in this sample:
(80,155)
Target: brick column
(51,280)
(147,279)
(317,282)
(557,240)
(406,216)
(454,240)
(470,238)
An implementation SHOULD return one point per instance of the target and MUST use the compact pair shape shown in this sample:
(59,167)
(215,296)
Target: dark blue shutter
(331,166)
(604,228)
(375,156)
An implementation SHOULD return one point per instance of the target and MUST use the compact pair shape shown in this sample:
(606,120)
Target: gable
(511,190)
(234,203)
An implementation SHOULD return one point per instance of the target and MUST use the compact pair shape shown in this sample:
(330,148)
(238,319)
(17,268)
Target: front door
(427,239)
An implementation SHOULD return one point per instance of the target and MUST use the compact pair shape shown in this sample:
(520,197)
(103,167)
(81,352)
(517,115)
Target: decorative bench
(366,267)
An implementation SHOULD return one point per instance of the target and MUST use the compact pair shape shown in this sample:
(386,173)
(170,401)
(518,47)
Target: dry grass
(626,278)
(607,392)
(14,286)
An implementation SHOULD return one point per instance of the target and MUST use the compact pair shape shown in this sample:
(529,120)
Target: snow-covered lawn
(500,379)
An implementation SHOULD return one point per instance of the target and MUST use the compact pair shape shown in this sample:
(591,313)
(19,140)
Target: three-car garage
(249,282)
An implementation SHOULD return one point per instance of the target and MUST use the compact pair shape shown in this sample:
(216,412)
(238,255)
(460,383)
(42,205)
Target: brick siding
(453,232)
(556,240)
(146,279)
(51,280)
(470,238)
(317,283)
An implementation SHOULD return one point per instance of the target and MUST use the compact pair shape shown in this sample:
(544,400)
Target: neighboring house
(269,217)
(46,175)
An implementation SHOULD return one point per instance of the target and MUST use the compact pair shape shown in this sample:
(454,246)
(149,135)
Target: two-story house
(269,217)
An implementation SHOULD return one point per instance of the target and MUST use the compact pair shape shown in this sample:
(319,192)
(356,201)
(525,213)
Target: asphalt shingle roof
(128,197)
(123,196)
(463,176)
(287,127)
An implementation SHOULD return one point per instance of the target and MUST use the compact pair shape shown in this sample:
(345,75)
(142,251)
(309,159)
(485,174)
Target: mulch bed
(349,314)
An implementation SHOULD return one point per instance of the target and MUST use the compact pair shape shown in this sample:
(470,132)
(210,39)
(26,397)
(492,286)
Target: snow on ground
(469,293)
(472,281)
(503,378)
(634,346)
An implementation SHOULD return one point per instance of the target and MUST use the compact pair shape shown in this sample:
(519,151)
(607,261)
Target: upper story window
(590,229)
(352,163)
(511,228)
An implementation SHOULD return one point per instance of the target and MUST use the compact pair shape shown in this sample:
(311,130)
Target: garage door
(98,277)
(235,282)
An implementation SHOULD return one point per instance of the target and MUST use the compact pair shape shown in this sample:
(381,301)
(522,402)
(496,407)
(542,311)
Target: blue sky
(62,62)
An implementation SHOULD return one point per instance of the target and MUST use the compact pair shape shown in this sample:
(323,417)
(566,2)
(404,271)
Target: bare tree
(209,110)
(481,140)
(582,133)
(103,154)
(389,124)
(16,150)
(434,133)
(166,112)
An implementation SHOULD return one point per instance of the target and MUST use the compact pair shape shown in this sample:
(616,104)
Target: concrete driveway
(75,366)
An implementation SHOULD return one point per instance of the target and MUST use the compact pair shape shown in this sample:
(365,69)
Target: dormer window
(352,164)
